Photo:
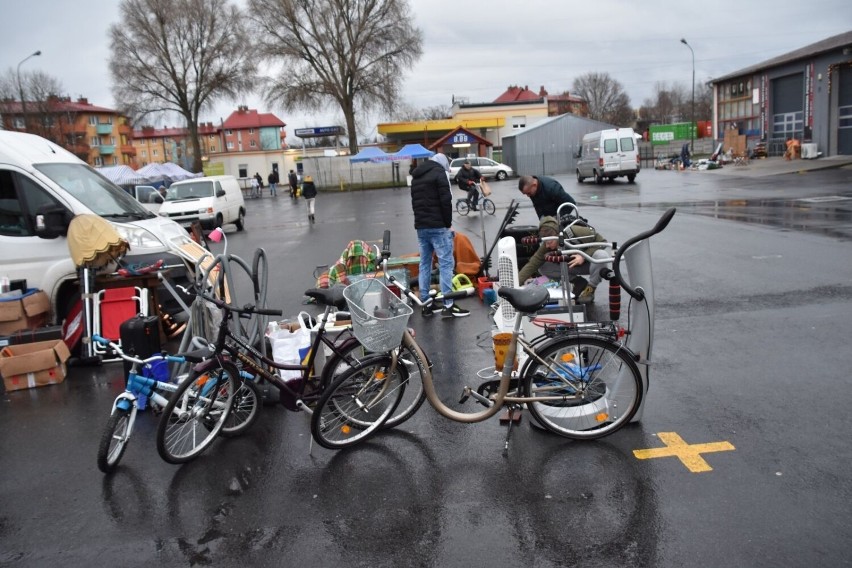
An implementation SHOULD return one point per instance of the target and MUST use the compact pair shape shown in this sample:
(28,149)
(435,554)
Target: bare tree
(606,97)
(406,112)
(179,56)
(349,52)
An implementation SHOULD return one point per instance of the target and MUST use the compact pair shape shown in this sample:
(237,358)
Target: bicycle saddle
(328,296)
(526,300)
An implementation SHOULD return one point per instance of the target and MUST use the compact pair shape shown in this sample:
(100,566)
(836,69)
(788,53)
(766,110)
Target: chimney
(542,92)
(83,101)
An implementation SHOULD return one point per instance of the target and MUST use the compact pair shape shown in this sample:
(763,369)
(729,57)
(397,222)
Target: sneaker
(454,311)
(587,296)
(427,311)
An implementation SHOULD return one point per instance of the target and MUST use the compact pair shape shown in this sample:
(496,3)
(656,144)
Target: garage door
(844,111)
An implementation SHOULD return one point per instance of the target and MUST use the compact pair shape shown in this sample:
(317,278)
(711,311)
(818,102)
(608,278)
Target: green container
(665,133)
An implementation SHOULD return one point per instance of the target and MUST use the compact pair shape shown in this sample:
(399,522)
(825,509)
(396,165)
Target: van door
(25,255)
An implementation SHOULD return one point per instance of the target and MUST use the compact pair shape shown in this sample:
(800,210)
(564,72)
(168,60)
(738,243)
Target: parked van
(608,154)
(42,187)
(213,201)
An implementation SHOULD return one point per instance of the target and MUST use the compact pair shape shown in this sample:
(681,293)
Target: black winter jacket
(466,175)
(549,197)
(431,199)
(309,190)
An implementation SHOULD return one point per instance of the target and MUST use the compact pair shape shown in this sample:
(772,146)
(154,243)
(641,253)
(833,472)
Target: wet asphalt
(750,359)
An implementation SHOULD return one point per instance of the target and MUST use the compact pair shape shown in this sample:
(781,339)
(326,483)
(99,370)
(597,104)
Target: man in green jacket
(578,233)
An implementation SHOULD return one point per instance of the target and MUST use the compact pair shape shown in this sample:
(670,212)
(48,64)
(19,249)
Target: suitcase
(140,337)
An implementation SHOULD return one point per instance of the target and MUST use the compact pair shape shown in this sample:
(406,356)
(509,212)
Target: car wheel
(598,178)
(219,221)
(631,178)
(579,177)
(241,220)
(501,175)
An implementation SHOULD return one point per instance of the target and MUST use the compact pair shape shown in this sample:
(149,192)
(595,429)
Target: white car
(488,168)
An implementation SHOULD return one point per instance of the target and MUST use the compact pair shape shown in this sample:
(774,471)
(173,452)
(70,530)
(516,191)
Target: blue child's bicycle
(210,407)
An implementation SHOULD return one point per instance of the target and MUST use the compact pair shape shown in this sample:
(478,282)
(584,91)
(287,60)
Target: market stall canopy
(123,175)
(93,242)
(159,172)
(411,152)
(370,154)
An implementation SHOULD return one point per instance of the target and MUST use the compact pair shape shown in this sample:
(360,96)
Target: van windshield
(94,191)
(191,190)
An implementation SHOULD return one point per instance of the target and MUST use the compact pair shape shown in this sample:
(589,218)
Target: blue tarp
(411,152)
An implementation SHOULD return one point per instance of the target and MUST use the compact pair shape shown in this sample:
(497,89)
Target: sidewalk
(773,166)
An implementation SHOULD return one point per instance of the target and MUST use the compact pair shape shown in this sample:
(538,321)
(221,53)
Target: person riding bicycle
(578,233)
(467,178)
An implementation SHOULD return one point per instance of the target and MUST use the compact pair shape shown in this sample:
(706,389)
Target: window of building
(787,123)
(229,132)
(252,143)
(99,161)
(93,120)
(154,152)
(243,170)
(19,123)
(251,130)
(230,145)
(115,160)
(212,148)
(144,153)
(109,120)
(95,141)
(519,122)
(112,140)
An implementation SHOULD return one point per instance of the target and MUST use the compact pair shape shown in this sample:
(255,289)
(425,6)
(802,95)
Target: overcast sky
(475,49)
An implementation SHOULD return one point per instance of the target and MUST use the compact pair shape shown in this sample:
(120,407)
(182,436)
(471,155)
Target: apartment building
(171,144)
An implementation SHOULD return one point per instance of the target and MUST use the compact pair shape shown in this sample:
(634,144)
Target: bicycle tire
(488,206)
(357,403)
(600,395)
(414,395)
(245,409)
(462,207)
(196,413)
(114,440)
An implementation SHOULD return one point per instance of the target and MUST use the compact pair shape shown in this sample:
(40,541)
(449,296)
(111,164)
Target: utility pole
(692,126)
(21,87)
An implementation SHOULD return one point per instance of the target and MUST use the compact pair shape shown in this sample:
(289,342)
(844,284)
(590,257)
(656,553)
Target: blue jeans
(439,241)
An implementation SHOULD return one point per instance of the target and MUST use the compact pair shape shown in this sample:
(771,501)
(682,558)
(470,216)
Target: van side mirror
(578,154)
(52,222)
(220,193)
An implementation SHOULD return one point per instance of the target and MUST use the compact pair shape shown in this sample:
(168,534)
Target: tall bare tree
(606,97)
(179,56)
(352,53)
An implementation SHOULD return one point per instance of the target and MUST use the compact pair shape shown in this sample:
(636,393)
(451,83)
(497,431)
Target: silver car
(488,168)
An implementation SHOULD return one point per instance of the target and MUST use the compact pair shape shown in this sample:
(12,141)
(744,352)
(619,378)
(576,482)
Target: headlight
(138,238)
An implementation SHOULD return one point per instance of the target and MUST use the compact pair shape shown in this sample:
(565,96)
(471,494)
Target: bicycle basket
(379,317)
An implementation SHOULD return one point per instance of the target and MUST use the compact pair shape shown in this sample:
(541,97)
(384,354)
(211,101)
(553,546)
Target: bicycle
(580,380)
(119,427)
(365,395)
(485,204)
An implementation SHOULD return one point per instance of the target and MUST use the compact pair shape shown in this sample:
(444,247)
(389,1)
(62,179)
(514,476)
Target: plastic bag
(290,345)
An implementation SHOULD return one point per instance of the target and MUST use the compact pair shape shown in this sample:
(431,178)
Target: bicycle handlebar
(662,223)
(130,359)
(247,309)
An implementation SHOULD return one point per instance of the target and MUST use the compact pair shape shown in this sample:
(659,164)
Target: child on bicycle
(467,178)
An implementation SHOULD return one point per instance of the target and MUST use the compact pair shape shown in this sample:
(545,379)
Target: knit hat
(550,224)
(441,159)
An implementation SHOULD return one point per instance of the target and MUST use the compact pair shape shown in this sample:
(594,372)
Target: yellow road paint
(688,454)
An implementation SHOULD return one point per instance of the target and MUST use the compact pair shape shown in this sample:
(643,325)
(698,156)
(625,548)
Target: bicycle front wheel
(357,404)
(196,413)
(588,387)
(462,207)
(411,400)
(488,206)
(114,440)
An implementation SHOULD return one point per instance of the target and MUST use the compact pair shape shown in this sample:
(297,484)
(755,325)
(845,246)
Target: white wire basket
(379,317)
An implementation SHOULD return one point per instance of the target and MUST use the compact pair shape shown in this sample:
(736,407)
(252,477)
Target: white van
(608,154)
(42,187)
(149,196)
(213,201)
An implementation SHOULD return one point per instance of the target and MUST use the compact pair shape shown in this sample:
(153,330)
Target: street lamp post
(21,87)
(691,126)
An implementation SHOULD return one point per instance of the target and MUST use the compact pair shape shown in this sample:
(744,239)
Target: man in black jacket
(432,203)
(467,178)
(546,194)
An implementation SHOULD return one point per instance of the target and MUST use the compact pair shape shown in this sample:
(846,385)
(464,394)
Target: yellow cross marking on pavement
(688,454)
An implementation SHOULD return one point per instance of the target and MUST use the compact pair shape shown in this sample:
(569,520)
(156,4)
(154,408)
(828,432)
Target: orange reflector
(567,357)
(601,417)
(346,429)
(380,375)
(202,380)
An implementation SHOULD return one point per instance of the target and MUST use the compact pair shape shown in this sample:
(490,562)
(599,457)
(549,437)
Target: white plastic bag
(291,347)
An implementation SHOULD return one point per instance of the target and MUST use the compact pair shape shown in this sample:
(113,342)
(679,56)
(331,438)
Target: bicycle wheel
(356,405)
(196,413)
(462,207)
(245,410)
(589,387)
(414,395)
(114,440)
(488,206)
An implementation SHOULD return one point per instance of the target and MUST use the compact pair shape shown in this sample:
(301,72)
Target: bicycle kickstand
(511,410)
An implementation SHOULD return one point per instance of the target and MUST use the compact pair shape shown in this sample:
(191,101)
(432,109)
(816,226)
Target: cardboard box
(24,312)
(31,335)
(33,364)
